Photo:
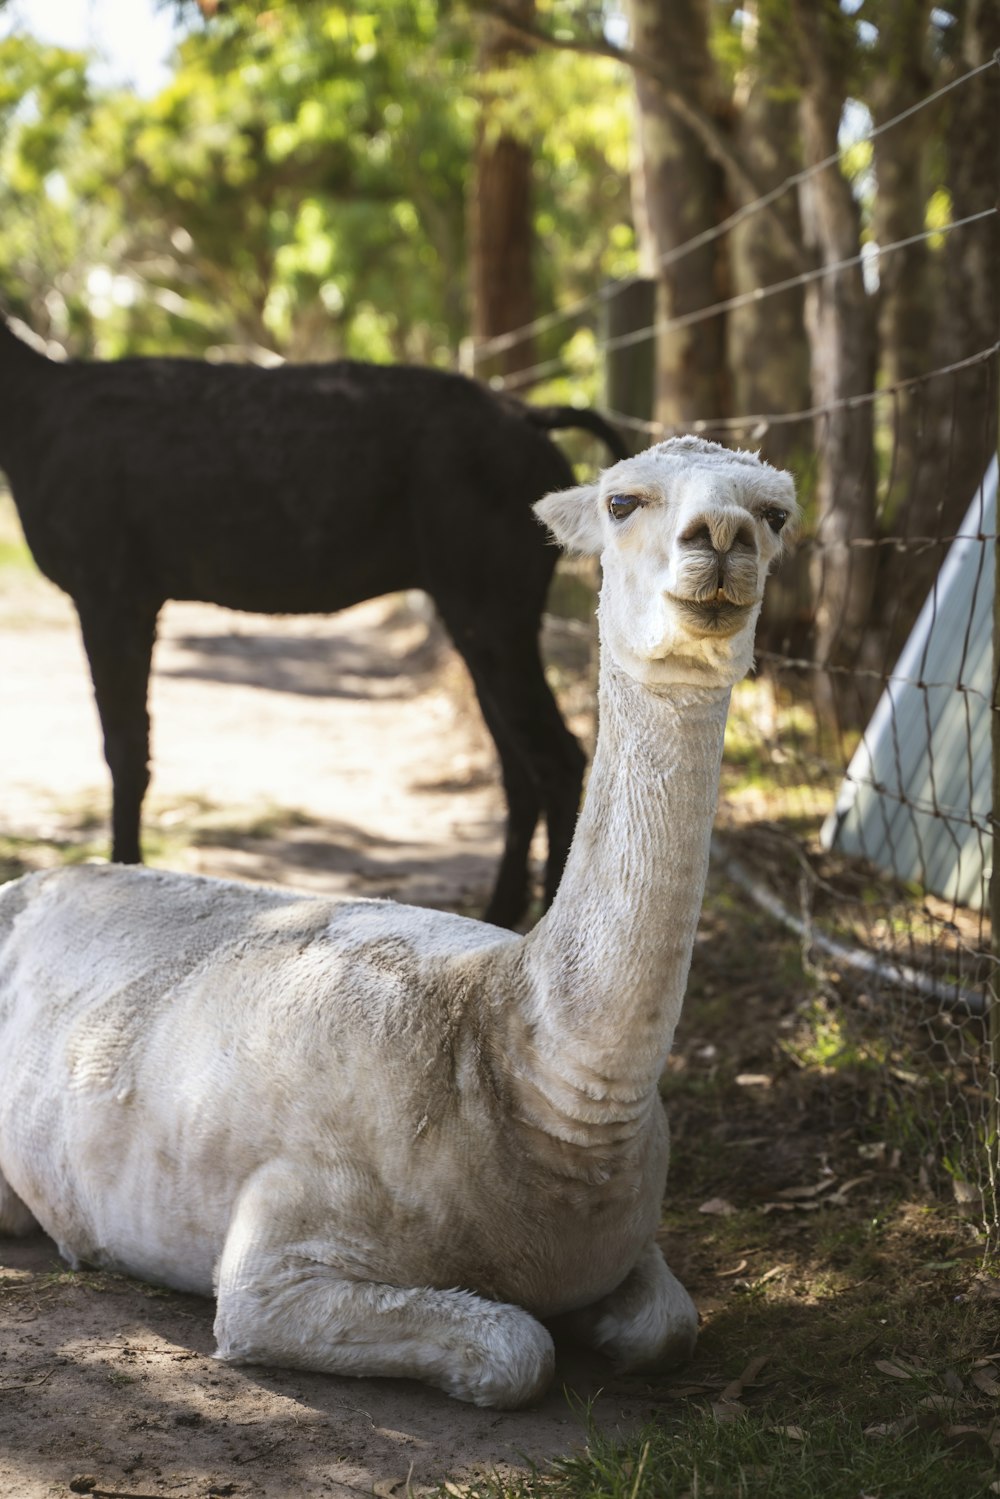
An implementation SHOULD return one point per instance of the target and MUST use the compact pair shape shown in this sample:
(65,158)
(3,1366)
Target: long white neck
(607,967)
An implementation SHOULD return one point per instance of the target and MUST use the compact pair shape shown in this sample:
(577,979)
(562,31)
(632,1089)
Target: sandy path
(354,739)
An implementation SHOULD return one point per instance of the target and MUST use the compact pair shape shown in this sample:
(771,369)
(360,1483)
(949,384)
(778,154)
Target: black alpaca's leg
(541,761)
(509,899)
(119,643)
(562,771)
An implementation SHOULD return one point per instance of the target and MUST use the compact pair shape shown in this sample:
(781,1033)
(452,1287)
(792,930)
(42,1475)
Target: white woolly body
(206,1030)
(390,1139)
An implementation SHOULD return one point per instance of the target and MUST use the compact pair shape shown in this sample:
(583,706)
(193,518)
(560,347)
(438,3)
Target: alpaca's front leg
(648,1321)
(307,1303)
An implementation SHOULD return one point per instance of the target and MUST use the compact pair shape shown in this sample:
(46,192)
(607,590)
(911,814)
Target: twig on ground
(32,1384)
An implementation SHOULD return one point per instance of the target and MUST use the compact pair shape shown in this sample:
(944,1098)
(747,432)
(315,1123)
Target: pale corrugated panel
(916,798)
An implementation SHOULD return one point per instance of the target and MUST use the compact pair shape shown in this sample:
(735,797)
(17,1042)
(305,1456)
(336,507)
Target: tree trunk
(839,323)
(767,346)
(907,307)
(971,261)
(682,195)
(501,225)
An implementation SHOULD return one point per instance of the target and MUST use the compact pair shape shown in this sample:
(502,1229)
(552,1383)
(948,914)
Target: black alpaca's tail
(555,418)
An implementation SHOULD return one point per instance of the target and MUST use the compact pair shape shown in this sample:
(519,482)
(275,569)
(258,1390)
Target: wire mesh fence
(860,776)
(858,811)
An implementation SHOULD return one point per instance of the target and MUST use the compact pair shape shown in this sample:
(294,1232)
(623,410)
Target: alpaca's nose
(721,532)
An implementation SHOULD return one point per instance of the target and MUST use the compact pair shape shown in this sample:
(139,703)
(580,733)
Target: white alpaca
(391,1140)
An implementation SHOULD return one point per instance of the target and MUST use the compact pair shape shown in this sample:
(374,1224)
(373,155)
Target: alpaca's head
(686,533)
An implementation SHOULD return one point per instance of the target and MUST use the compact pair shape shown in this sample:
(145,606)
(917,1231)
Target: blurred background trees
(388,180)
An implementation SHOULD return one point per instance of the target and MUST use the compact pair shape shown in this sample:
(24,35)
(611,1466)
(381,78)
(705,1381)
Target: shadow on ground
(393,660)
(102,1376)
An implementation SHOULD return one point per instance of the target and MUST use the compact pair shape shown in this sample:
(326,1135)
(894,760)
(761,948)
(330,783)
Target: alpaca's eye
(620,506)
(775,518)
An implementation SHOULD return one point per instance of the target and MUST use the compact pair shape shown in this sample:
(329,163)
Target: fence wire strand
(489,348)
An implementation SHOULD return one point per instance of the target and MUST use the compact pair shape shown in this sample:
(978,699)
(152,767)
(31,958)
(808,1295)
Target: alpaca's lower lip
(714,616)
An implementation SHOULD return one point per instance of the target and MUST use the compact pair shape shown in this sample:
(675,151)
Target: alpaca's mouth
(718,616)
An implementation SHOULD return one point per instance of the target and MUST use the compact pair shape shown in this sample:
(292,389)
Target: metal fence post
(628,307)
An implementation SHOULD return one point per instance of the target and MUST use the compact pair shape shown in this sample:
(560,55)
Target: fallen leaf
(791,1193)
(754,1080)
(736,1270)
(986,1288)
(794,1432)
(899,1368)
(967,1438)
(770,1274)
(953,1383)
(717,1207)
(840,1196)
(898,1428)
(735,1390)
(728,1410)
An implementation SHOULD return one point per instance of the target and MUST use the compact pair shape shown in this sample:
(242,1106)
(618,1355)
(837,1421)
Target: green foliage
(299,186)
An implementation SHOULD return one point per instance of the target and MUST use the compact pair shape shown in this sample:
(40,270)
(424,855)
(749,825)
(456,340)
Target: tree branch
(711,137)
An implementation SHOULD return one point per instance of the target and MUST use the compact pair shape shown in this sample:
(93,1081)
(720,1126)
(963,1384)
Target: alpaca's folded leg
(308,1304)
(648,1321)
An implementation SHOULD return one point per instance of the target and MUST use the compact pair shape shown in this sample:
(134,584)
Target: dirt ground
(335,755)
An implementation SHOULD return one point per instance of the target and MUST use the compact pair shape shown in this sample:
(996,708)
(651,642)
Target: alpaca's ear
(572,517)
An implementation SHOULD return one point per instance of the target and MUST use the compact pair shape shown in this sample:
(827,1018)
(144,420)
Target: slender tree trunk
(839,323)
(501,226)
(681,193)
(971,260)
(907,308)
(938,306)
(768,352)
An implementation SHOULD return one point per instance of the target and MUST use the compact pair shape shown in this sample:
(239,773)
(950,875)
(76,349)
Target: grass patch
(733,1457)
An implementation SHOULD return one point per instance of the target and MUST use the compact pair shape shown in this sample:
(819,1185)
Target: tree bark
(682,192)
(840,327)
(971,258)
(768,351)
(501,225)
(938,306)
(907,307)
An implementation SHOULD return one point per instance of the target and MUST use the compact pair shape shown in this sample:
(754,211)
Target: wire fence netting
(857,811)
(858,787)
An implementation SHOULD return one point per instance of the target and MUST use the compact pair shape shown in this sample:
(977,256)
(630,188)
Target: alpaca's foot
(15,1218)
(648,1321)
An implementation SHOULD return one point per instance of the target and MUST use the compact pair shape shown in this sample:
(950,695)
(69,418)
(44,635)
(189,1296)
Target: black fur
(302,489)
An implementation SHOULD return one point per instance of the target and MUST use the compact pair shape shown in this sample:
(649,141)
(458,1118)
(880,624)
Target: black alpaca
(298,490)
